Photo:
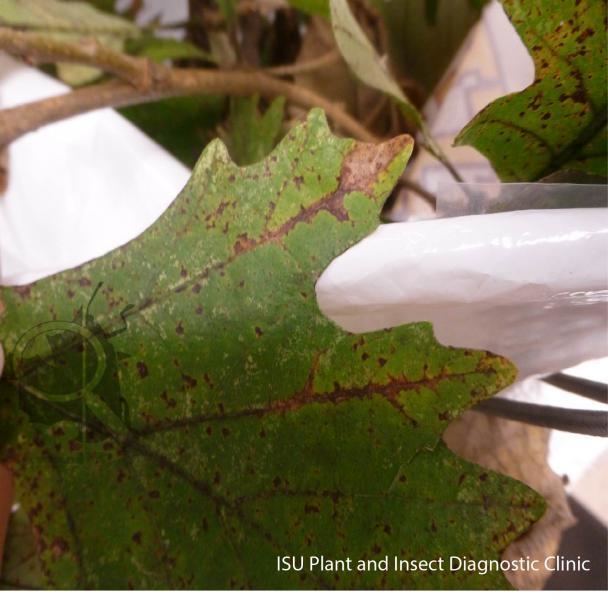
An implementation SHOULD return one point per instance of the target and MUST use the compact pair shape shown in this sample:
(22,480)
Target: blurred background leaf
(228,10)
(364,60)
(181,125)
(312,7)
(71,21)
(424,35)
(161,49)
(252,135)
(373,70)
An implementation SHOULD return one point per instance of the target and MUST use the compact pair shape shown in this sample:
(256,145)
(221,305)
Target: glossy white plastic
(530,285)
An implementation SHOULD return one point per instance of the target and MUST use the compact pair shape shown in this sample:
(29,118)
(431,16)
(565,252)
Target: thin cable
(586,422)
(594,390)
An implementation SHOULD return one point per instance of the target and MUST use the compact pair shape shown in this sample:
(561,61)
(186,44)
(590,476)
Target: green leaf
(69,21)
(252,136)
(107,6)
(439,27)
(184,413)
(371,69)
(21,568)
(228,10)
(161,49)
(181,125)
(312,7)
(558,122)
(364,61)
(430,11)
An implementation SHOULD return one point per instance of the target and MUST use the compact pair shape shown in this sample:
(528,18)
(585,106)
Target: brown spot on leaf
(59,547)
(243,244)
(189,382)
(24,291)
(579,95)
(361,167)
(142,369)
(536,101)
(585,34)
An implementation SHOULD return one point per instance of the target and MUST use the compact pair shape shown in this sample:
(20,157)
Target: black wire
(594,390)
(587,422)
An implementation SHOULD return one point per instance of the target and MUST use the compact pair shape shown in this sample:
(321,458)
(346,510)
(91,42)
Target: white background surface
(77,188)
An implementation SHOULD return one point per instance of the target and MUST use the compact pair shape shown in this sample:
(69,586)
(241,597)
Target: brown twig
(325,60)
(145,82)
(39,49)
(169,82)
(74,28)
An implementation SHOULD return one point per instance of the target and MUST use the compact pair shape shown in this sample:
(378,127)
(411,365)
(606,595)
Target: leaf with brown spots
(558,122)
(191,414)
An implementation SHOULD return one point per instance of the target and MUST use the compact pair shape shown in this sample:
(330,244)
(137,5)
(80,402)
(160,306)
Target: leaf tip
(378,167)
